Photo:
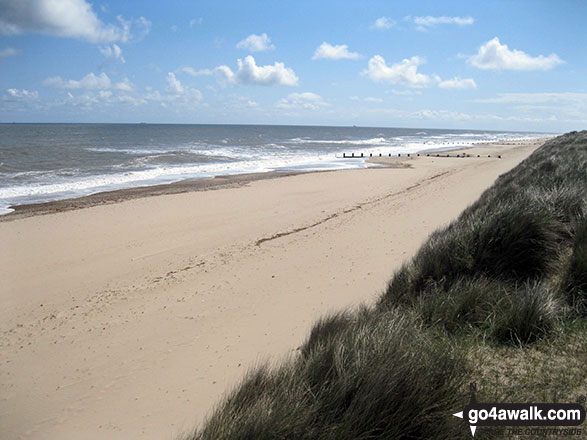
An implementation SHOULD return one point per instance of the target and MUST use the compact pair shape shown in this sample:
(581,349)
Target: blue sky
(503,65)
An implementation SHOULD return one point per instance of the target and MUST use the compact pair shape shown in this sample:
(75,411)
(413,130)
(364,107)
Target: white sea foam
(203,159)
(131,151)
(372,141)
(87,185)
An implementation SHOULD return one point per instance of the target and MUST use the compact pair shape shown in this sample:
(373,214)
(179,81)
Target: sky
(492,65)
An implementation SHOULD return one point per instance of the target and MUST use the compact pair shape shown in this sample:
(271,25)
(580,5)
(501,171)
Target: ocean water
(46,162)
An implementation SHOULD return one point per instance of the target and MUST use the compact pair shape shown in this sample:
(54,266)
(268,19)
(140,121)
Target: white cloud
(113,51)
(424,23)
(89,82)
(367,99)
(249,73)
(193,72)
(173,84)
(177,93)
(225,74)
(256,43)
(125,85)
(406,92)
(496,56)
(9,52)
(442,115)
(538,98)
(277,74)
(404,72)
(337,52)
(458,83)
(64,18)
(23,94)
(383,23)
(564,106)
(89,100)
(306,100)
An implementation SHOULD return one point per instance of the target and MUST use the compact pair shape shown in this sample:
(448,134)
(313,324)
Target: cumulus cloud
(89,82)
(124,85)
(424,23)
(306,100)
(65,18)
(256,43)
(249,73)
(383,23)
(22,94)
(177,93)
(337,52)
(9,52)
(89,100)
(114,52)
(173,84)
(225,74)
(404,73)
(496,56)
(277,74)
(458,83)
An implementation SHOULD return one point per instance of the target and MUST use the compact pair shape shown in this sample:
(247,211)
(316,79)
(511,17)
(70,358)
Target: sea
(47,162)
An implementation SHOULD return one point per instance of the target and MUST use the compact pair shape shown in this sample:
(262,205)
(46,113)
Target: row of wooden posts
(352,156)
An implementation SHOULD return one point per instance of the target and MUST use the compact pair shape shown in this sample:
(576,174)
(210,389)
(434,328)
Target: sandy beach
(128,315)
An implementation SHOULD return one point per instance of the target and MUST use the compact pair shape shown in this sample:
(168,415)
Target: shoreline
(123,194)
(217,182)
(130,320)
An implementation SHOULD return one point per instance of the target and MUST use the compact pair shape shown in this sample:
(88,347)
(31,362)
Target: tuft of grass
(526,314)
(382,375)
(575,279)
(325,329)
(507,314)
(515,244)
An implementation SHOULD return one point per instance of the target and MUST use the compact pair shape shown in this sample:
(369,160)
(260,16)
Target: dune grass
(574,283)
(492,298)
(362,378)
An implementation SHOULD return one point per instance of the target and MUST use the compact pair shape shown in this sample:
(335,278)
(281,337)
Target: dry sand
(130,320)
